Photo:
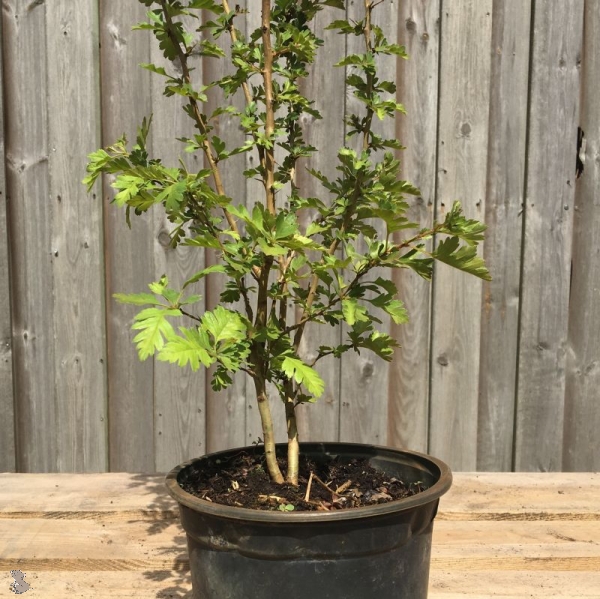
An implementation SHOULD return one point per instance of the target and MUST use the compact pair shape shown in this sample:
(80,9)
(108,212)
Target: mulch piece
(243,481)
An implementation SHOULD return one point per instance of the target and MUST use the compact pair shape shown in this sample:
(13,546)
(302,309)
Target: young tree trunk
(292,431)
(267,427)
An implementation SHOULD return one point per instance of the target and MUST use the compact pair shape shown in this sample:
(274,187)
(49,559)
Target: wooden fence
(494,376)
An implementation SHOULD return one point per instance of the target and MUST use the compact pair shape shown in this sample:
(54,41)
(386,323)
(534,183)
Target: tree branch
(269,175)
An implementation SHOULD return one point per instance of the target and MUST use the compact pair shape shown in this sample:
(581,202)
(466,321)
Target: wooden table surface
(118,535)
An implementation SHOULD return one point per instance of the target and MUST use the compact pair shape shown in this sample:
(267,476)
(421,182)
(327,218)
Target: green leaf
(154,328)
(353,311)
(130,186)
(191,348)
(396,309)
(304,375)
(224,325)
(208,5)
(172,195)
(456,224)
(203,273)
(343,26)
(285,225)
(381,344)
(137,299)
(154,69)
(464,258)
(271,250)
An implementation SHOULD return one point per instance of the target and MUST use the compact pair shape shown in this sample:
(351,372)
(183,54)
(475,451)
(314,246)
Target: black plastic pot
(379,552)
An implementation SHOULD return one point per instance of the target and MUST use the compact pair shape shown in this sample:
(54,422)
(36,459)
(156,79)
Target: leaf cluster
(271,262)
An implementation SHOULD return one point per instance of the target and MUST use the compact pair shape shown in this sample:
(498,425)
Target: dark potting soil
(335,484)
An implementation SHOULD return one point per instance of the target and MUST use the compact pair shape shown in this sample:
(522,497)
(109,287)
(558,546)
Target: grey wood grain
(582,408)
(462,158)
(418,31)
(503,215)
(129,254)
(8,454)
(553,123)
(320,421)
(30,216)
(179,393)
(365,377)
(226,410)
(77,239)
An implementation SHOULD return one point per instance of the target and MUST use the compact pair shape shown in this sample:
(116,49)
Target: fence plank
(77,256)
(462,145)
(226,410)
(548,234)
(179,393)
(128,254)
(582,415)
(320,421)
(7,412)
(29,216)
(365,378)
(503,215)
(408,409)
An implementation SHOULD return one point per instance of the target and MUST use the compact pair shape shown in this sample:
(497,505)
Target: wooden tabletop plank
(443,584)
(118,535)
(479,496)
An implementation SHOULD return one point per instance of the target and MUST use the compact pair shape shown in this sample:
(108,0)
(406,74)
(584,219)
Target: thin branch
(269,175)
(199,120)
(245,86)
(196,318)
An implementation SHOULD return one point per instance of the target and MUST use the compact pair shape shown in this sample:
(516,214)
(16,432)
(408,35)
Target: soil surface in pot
(325,485)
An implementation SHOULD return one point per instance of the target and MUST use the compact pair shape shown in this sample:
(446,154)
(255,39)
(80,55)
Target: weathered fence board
(7,407)
(179,394)
(30,218)
(227,410)
(462,157)
(582,416)
(76,250)
(365,378)
(129,254)
(492,377)
(503,215)
(553,120)
(408,403)
(321,421)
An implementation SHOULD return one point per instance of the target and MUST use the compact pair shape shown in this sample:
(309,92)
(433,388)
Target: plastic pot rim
(439,468)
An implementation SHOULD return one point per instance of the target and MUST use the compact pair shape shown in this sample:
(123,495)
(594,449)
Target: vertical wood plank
(418,31)
(179,393)
(553,123)
(582,410)
(255,193)
(365,378)
(128,253)
(7,411)
(320,421)
(503,215)
(462,151)
(226,410)
(77,248)
(29,214)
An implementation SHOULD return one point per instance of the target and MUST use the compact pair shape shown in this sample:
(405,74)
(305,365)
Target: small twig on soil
(343,487)
(333,493)
(307,496)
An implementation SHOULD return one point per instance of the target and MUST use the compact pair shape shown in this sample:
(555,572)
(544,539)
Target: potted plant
(294,543)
